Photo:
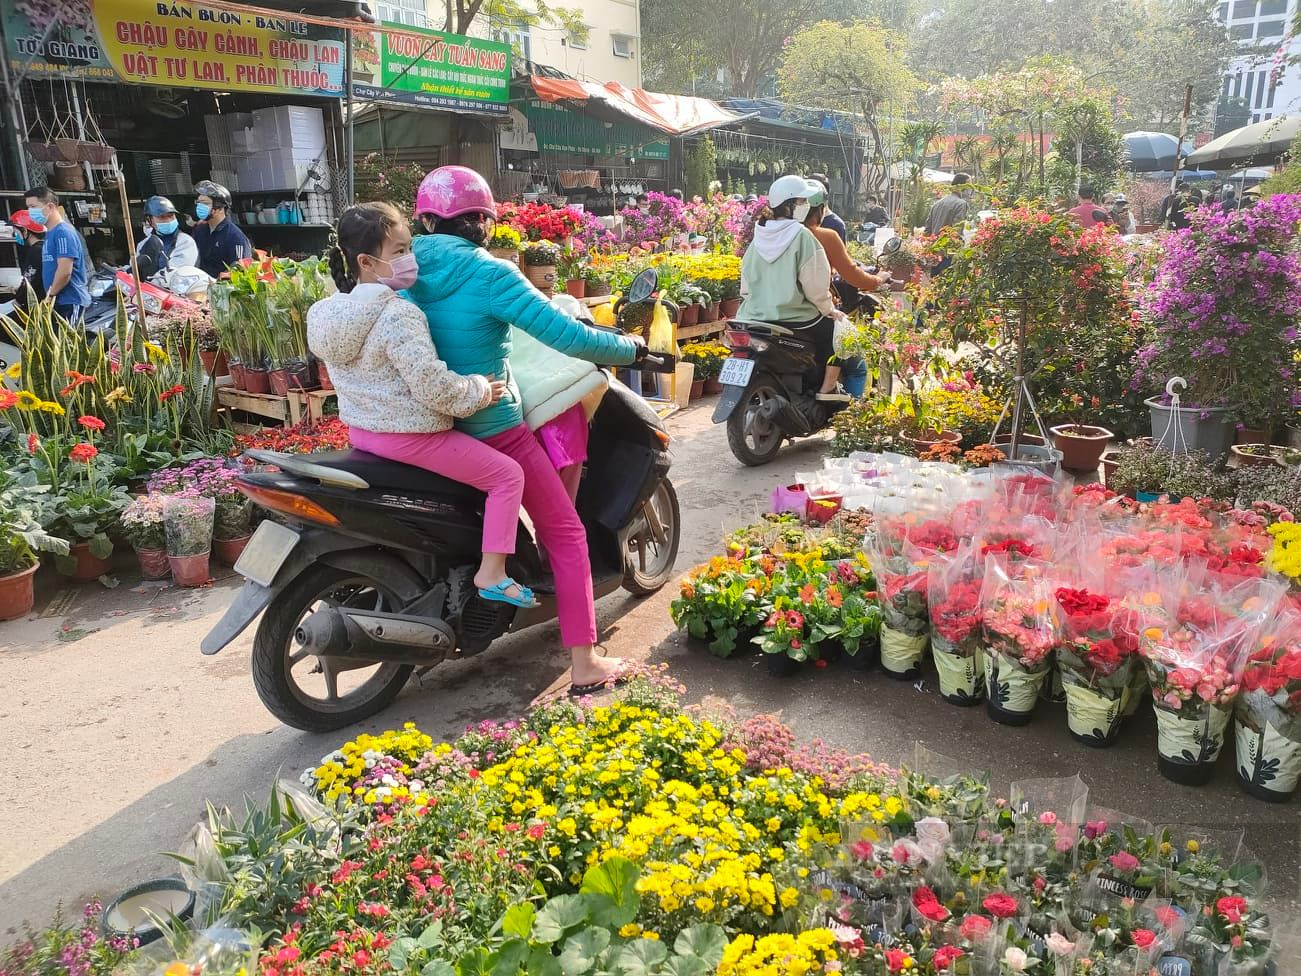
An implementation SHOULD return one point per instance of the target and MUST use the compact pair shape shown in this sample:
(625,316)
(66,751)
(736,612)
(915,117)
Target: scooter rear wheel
(754,439)
(287,677)
(648,564)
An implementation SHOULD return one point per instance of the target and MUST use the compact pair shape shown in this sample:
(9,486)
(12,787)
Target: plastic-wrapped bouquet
(1096,663)
(957,640)
(1267,725)
(901,576)
(1018,618)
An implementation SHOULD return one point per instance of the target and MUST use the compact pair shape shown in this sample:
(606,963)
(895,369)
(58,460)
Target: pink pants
(462,458)
(559,531)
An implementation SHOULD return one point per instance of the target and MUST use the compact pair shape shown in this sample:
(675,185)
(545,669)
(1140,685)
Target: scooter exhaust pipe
(368,636)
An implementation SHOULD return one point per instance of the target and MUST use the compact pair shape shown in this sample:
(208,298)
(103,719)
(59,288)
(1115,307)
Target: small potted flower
(598,281)
(1255,455)
(21,537)
(504,243)
(142,525)
(693,300)
(87,514)
(540,261)
(232,522)
(187,523)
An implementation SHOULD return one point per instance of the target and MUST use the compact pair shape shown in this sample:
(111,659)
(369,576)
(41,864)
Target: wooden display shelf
(284,410)
(686,333)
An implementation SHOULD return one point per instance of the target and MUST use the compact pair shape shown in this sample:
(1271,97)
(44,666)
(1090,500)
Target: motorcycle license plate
(266,552)
(736,372)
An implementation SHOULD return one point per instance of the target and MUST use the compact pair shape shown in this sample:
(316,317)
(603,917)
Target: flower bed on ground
(638,837)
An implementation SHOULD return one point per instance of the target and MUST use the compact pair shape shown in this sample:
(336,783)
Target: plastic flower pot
(214,362)
(1244,454)
(713,386)
(237,379)
(901,653)
(690,314)
(133,914)
(18,592)
(729,307)
(88,566)
(782,665)
(576,287)
(962,681)
(1250,435)
(924,442)
(1002,440)
(190,570)
(1268,763)
(279,382)
(714,311)
(1081,445)
(1193,428)
(153,563)
(301,374)
(1093,716)
(228,551)
(1011,692)
(1187,746)
(697,389)
(256,380)
(866,657)
(789,498)
(1045,459)
(1110,461)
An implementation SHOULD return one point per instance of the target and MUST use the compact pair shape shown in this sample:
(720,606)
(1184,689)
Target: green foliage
(384,178)
(1085,126)
(1287,179)
(1142,467)
(702,167)
(23,510)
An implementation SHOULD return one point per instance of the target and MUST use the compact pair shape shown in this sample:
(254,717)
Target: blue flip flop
(498,594)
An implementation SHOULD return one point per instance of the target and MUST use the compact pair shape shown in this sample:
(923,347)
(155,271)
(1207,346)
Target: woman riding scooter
(786,278)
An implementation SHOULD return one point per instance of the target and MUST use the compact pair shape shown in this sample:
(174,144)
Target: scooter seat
(380,472)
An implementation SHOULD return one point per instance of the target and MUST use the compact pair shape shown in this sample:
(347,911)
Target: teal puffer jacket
(472,299)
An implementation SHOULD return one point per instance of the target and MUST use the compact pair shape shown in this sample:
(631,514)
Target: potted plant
(86,514)
(187,524)
(232,522)
(598,281)
(504,243)
(1097,665)
(1255,455)
(540,260)
(1267,718)
(1230,336)
(693,300)
(1081,444)
(1140,472)
(570,271)
(295,286)
(704,356)
(957,642)
(1020,632)
(21,538)
(730,297)
(142,526)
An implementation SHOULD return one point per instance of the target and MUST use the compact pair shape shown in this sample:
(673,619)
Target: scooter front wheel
(322,694)
(753,437)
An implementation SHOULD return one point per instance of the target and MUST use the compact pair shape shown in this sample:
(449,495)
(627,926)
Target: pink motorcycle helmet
(453,191)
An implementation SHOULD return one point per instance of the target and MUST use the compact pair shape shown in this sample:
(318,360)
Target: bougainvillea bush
(1225,304)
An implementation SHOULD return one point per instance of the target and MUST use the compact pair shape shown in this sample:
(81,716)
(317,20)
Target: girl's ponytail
(338,262)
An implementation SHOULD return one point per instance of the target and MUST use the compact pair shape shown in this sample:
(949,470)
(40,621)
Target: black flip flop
(582,691)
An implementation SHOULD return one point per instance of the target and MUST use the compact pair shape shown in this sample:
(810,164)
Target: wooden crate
(297,406)
(686,333)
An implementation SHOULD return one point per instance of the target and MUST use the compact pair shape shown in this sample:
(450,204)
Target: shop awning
(675,115)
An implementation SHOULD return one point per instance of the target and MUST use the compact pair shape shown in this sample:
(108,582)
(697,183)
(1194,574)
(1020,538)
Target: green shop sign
(410,66)
(560,129)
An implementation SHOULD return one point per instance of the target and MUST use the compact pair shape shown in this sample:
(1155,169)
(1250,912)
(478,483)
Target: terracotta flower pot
(256,380)
(89,566)
(153,563)
(697,389)
(1251,435)
(543,277)
(713,386)
(228,550)
(18,593)
(714,312)
(1110,462)
(925,442)
(279,382)
(690,314)
(323,375)
(237,376)
(576,287)
(1252,460)
(190,570)
(1081,445)
(729,307)
(214,362)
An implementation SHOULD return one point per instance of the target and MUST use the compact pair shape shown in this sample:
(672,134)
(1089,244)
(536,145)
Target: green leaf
(476,962)
(66,565)
(433,935)
(507,960)
(518,920)
(400,952)
(557,917)
(640,957)
(581,951)
(687,966)
(543,963)
(705,942)
(611,889)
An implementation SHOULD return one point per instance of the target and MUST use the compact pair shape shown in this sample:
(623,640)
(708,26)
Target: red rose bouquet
(957,640)
(1267,719)
(1096,664)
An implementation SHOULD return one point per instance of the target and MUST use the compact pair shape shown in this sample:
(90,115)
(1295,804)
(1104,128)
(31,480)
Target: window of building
(1241,32)
(409,12)
(1243,9)
(622,45)
(576,42)
(1272,8)
(1270,28)
(517,36)
(1222,13)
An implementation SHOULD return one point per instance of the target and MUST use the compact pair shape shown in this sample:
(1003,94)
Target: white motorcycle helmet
(785,188)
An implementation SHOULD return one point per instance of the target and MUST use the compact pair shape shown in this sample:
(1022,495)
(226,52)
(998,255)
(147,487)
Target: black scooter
(771,380)
(366,571)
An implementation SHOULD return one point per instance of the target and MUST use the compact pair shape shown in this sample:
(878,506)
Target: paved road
(115,729)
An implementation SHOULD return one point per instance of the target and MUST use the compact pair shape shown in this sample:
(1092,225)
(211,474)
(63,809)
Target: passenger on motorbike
(167,247)
(838,255)
(786,278)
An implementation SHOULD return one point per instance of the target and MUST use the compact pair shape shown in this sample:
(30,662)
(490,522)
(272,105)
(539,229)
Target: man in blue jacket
(220,242)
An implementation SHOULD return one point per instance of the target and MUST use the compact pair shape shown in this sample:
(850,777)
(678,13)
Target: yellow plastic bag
(604,315)
(660,337)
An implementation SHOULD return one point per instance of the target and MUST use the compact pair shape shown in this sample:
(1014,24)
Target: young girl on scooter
(396,396)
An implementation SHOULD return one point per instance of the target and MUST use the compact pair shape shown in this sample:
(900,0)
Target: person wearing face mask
(219,241)
(31,241)
(396,395)
(786,277)
(65,262)
(167,247)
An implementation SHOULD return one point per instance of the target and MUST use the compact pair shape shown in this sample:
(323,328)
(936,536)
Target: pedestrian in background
(952,208)
(65,261)
(1122,216)
(219,241)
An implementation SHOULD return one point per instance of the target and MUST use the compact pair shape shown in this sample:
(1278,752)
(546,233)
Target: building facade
(1261,82)
(611,51)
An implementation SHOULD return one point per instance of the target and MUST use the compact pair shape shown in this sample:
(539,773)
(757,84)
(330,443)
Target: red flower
(537,831)
(861,849)
(1232,908)
(91,423)
(895,960)
(928,905)
(974,926)
(945,956)
(1143,938)
(33,443)
(77,379)
(7,399)
(84,453)
(144,368)
(1124,861)
(1000,905)
(166,395)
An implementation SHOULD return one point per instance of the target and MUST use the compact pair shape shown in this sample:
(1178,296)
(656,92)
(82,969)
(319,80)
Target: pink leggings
(462,458)
(559,531)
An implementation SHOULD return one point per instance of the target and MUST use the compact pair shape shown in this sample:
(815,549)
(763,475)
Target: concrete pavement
(115,729)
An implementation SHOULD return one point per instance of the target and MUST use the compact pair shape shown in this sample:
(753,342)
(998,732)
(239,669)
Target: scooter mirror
(891,246)
(643,286)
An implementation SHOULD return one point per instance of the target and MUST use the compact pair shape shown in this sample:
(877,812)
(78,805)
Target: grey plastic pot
(128,915)
(1195,428)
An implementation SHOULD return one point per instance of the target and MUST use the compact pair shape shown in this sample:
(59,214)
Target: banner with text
(431,69)
(178,44)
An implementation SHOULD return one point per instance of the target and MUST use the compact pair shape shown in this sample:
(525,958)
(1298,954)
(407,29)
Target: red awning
(676,115)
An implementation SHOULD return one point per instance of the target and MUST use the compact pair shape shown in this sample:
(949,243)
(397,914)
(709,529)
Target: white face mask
(801,212)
